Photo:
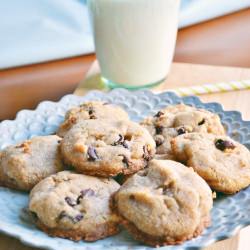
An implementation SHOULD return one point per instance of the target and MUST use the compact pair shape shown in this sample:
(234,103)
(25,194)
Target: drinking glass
(134,40)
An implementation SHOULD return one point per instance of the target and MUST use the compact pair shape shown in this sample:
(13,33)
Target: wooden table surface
(223,41)
(186,75)
(192,74)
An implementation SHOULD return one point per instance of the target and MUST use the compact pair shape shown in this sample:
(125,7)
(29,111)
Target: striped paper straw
(212,88)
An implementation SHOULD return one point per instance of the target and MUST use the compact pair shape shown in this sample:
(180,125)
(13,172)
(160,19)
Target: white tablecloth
(33,31)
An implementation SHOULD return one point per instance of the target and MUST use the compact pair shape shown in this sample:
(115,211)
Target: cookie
(179,119)
(23,165)
(165,204)
(91,110)
(75,206)
(107,148)
(221,161)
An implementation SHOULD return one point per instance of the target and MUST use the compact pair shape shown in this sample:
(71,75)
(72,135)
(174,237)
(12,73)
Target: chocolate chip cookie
(74,206)
(91,110)
(23,165)
(106,148)
(180,119)
(165,204)
(221,161)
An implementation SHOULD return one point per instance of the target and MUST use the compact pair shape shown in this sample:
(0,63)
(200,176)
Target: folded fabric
(38,31)
(195,11)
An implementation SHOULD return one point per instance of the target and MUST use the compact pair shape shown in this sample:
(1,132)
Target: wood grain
(190,74)
(221,41)
(25,87)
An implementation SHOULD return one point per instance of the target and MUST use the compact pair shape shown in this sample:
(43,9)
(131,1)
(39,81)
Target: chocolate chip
(125,160)
(92,117)
(79,198)
(91,113)
(201,122)
(159,114)
(224,144)
(181,131)
(78,218)
(75,219)
(62,215)
(159,141)
(85,192)
(33,215)
(158,130)
(89,192)
(124,144)
(120,138)
(70,201)
(92,154)
(147,156)
(119,141)
(105,103)
(132,197)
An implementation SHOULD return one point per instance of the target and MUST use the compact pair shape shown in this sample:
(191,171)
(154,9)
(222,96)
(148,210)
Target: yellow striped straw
(212,88)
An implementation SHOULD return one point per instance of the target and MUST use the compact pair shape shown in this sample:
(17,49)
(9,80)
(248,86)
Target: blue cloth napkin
(37,31)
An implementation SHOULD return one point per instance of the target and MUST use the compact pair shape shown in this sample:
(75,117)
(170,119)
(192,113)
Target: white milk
(134,39)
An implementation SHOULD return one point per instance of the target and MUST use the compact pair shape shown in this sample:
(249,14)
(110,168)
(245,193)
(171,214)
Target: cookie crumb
(181,131)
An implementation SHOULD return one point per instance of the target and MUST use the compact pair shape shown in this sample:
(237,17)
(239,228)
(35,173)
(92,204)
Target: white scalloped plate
(230,213)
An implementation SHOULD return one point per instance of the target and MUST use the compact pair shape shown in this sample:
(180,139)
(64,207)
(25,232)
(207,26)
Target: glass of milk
(134,40)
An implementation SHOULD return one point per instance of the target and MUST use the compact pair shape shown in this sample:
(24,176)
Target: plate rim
(192,99)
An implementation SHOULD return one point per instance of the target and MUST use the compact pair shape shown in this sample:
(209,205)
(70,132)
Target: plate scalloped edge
(228,215)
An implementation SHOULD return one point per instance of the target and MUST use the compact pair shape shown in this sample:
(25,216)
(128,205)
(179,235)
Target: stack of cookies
(102,171)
